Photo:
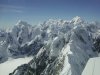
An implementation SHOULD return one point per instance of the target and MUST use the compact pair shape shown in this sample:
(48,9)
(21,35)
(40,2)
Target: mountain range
(58,47)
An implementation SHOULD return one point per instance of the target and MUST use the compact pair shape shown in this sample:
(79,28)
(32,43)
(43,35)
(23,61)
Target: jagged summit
(77,20)
(22,23)
(60,22)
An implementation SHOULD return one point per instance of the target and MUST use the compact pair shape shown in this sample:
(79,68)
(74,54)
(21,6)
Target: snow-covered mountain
(22,40)
(59,47)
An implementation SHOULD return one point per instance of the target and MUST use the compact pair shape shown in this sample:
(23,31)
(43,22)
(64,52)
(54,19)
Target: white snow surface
(10,65)
(92,67)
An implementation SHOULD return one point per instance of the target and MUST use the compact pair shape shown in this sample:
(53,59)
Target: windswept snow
(10,65)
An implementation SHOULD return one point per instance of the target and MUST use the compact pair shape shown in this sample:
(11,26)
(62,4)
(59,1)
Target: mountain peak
(77,20)
(20,22)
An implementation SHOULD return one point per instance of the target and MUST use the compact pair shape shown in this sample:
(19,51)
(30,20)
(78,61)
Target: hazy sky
(35,11)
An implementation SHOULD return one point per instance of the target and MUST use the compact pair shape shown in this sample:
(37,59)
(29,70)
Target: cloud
(10,8)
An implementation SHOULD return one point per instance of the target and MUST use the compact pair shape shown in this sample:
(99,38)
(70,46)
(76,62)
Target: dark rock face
(97,45)
(26,49)
(24,69)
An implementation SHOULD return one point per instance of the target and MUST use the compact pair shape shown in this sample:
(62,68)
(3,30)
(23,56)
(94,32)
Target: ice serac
(67,46)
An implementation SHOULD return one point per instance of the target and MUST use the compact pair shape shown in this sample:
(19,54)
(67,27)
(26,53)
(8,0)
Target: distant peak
(77,20)
(22,23)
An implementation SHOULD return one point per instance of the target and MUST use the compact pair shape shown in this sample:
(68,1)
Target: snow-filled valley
(10,65)
(57,47)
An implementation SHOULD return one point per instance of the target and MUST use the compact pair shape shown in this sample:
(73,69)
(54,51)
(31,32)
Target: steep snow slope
(67,46)
(92,67)
(8,66)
